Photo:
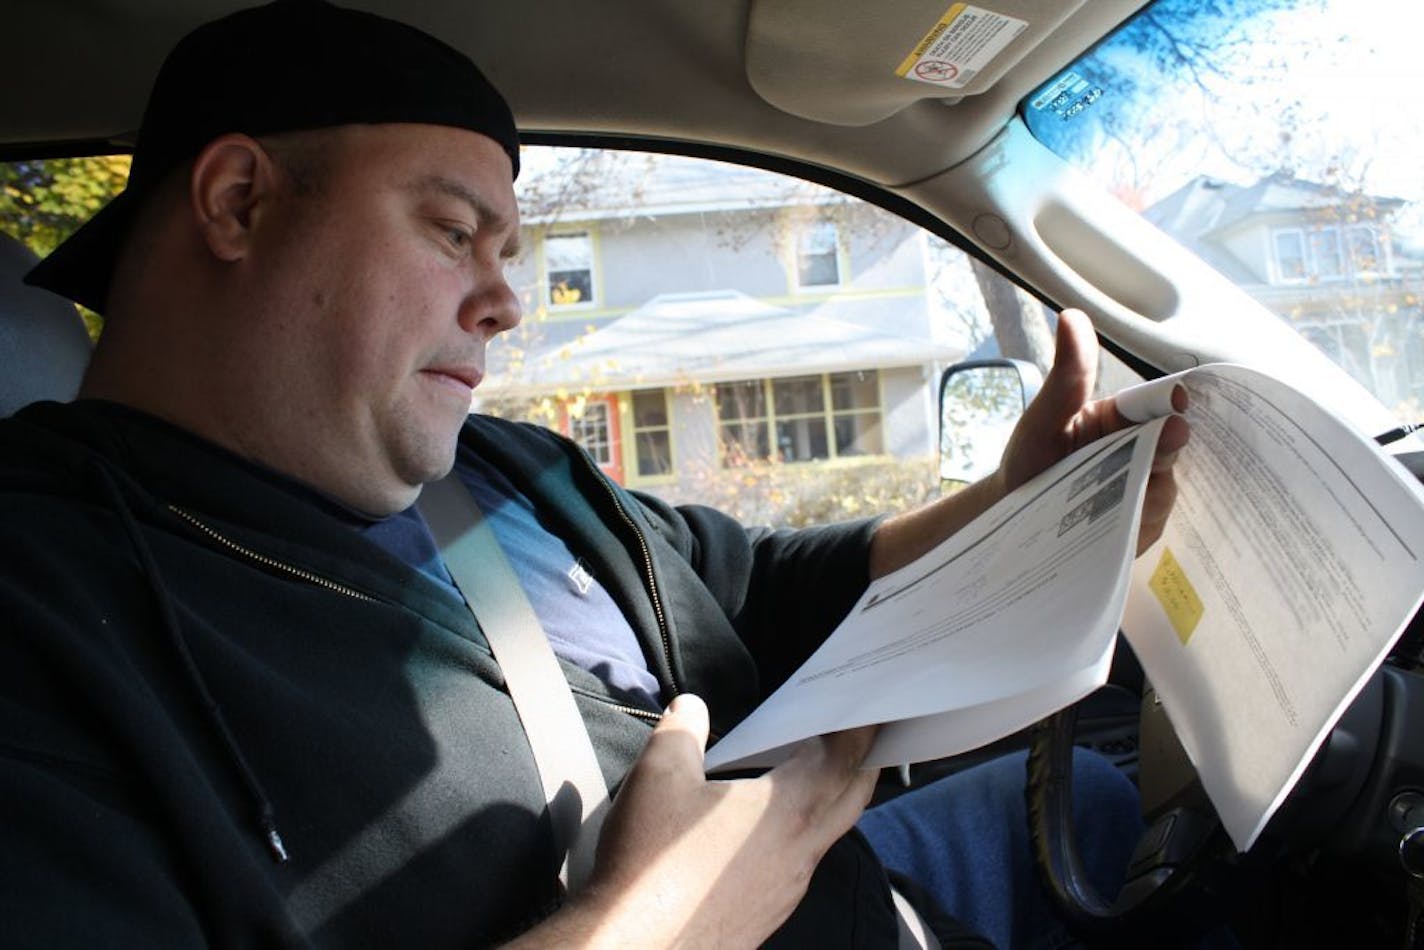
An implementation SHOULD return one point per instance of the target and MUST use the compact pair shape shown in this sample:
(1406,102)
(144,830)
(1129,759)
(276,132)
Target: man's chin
(416,462)
(433,466)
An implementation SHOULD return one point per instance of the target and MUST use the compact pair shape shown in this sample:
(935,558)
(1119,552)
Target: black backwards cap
(285,67)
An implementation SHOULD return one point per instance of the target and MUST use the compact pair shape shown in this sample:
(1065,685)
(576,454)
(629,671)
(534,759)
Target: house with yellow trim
(692,316)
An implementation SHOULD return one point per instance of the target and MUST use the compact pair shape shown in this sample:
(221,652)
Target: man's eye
(458,237)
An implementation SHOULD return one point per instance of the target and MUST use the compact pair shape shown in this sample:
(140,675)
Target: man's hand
(1061,420)
(684,860)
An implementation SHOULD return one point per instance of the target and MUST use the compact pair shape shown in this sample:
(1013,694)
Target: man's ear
(230,178)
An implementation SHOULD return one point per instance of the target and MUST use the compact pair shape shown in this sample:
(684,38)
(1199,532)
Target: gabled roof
(1203,210)
(1191,215)
(1206,202)
(598,185)
(679,339)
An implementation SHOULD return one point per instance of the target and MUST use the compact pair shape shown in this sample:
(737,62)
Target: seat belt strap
(914,931)
(574,788)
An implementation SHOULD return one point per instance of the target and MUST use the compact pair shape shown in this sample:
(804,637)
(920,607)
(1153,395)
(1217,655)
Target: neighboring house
(1324,260)
(693,317)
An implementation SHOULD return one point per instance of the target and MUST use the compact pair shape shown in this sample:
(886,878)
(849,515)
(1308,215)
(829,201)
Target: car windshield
(1280,141)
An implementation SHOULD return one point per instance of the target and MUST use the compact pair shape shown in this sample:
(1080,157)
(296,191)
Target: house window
(800,408)
(818,255)
(1364,248)
(1290,255)
(855,413)
(1329,253)
(591,430)
(1344,341)
(801,418)
(1325,254)
(568,260)
(652,438)
(741,411)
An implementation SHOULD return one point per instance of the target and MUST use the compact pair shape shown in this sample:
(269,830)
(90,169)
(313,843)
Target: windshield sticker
(1068,97)
(960,45)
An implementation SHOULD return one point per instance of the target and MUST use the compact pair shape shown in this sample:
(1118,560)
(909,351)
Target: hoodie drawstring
(265,815)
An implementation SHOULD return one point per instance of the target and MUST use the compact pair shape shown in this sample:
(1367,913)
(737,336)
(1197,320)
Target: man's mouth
(467,377)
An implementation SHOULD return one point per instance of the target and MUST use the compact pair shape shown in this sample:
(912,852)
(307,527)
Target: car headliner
(807,80)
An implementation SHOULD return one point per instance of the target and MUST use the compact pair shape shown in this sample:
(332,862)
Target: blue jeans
(965,840)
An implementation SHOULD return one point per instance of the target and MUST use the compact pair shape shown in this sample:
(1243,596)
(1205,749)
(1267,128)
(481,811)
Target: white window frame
(1310,240)
(582,429)
(805,231)
(1381,267)
(666,427)
(1298,235)
(828,414)
(594,291)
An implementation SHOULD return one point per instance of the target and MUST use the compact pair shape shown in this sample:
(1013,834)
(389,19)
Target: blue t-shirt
(583,623)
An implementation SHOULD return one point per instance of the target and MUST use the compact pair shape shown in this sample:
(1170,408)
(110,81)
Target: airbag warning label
(961,44)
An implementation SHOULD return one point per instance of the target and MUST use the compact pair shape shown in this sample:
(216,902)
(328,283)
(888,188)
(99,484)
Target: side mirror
(979,403)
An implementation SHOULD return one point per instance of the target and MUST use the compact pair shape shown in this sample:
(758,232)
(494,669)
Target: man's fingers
(1060,418)
(822,788)
(688,711)
(837,753)
(1103,417)
(1075,363)
(687,715)
(826,778)
(1176,432)
(850,746)
(680,739)
(1156,508)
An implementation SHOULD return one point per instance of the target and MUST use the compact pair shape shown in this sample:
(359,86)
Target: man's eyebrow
(485,214)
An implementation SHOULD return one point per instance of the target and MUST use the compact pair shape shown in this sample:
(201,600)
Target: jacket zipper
(646,715)
(316,579)
(648,575)
(265,561)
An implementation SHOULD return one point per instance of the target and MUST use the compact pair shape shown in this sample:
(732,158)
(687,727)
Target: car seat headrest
(44,346)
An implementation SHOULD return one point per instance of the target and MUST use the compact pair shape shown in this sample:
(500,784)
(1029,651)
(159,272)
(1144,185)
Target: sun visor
(858,63)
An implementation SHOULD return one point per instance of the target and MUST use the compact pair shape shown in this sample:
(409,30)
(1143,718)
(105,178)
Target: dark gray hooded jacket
(228,719)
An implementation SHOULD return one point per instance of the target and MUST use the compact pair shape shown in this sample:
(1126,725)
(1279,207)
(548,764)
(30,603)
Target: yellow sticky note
(1175,593)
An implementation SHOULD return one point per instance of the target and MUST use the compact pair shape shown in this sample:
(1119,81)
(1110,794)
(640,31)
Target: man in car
(244,702)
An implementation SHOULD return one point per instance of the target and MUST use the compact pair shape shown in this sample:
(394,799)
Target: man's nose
(491,309)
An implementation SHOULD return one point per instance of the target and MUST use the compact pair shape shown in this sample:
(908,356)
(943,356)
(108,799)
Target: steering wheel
(1185,873)
(1165,882)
